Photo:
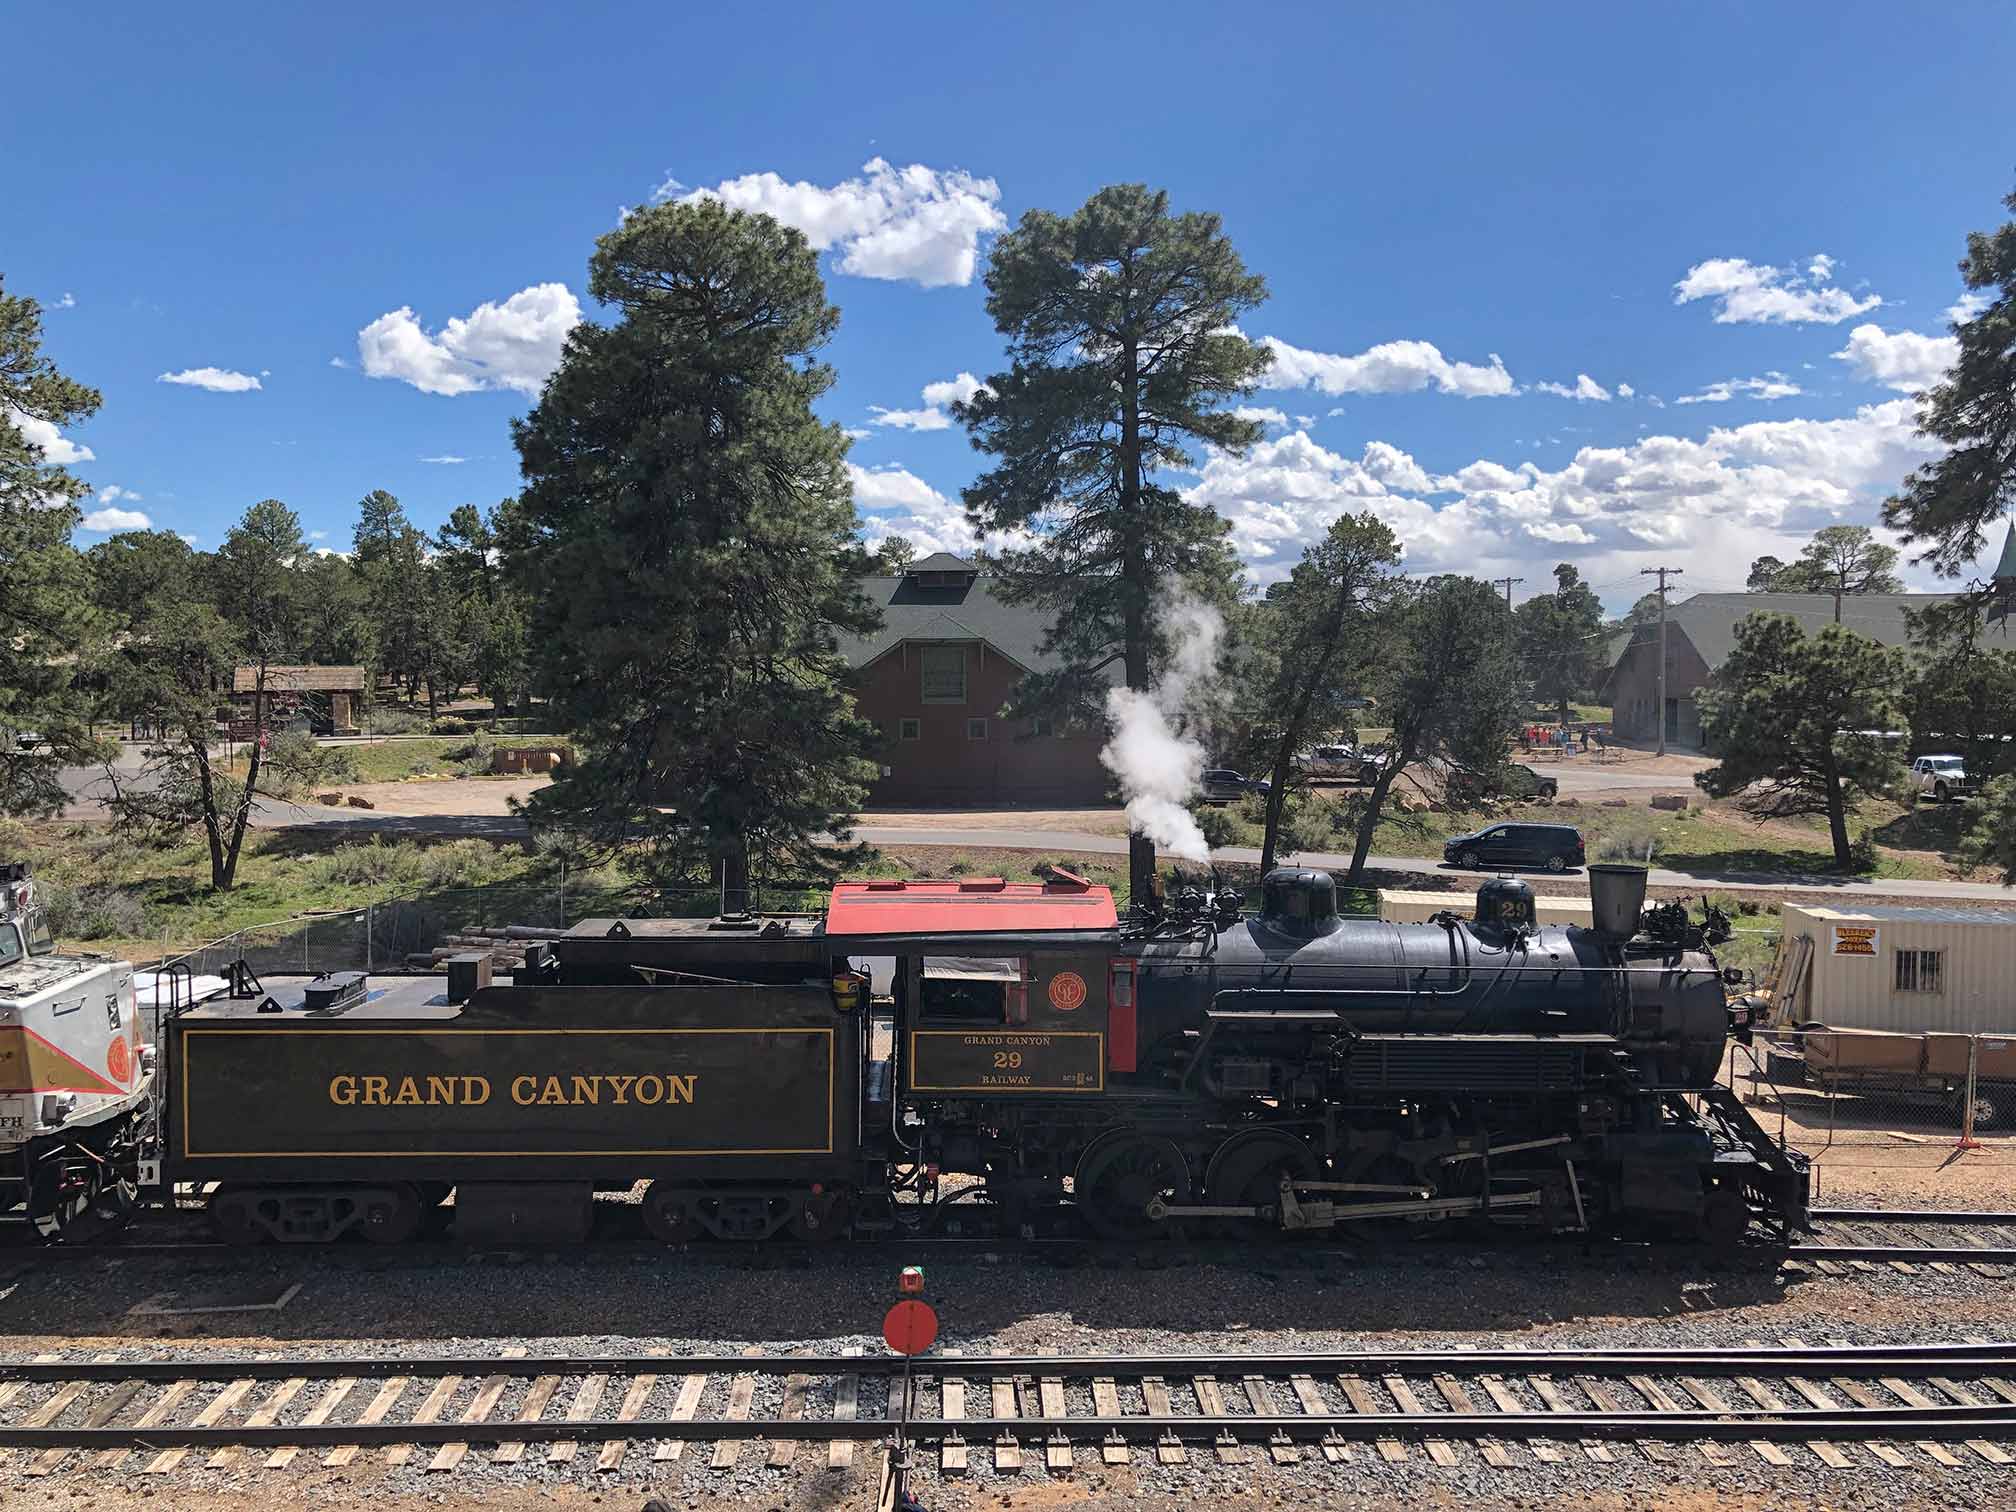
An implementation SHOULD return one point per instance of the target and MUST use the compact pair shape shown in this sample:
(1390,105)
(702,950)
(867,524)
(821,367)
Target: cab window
(969,989)
(40,941)
(10,945)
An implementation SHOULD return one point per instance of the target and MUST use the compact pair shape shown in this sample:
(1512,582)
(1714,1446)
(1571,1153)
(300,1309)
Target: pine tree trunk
(731,872)
(1837,817)
(1368,822)
(1133,571)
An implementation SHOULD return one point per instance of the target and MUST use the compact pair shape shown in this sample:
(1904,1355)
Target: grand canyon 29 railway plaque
(1007,1060)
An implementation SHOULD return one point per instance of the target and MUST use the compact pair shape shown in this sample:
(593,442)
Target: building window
(909,729)
(1919,970)
(944,672)
(976,729)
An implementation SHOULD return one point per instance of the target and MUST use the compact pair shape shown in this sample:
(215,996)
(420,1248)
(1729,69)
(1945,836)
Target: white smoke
(1159,768)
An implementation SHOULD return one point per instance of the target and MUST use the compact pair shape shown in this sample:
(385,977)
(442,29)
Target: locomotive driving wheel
(668,1214)
(1120,1174)
(1246,1171)
(392,1214)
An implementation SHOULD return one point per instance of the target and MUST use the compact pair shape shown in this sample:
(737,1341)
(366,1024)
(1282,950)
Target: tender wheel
(1557,863)
(1468,860)
(668,1213)
(1246,1171)
(1120,1174)
(233,1215)
(391,1215)
(819,1218)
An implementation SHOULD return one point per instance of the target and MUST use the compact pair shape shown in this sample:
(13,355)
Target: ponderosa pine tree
(46,613)
(1798,722)
(1949,504)
(685,540)
(1561,639)
(1121,327)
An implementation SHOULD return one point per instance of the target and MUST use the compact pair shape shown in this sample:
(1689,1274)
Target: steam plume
(1159,767)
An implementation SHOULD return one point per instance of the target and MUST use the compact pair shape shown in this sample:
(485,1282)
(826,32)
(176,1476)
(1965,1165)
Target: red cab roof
(971,905)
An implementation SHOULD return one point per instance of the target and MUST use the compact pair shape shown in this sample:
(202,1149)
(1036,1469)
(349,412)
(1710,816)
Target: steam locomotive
(974,1054)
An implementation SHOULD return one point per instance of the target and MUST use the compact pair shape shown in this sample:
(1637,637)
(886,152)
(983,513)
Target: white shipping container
(1919,969)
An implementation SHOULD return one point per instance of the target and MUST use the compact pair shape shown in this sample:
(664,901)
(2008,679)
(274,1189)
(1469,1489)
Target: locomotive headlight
(56,1107)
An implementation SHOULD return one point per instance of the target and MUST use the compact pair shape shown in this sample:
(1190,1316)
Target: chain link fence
(1906,1117)
(413,932)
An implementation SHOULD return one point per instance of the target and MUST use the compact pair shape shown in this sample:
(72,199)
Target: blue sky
(1458,212)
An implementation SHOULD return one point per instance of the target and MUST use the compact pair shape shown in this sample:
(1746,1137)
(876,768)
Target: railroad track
(1858,1238)
(1937,1406)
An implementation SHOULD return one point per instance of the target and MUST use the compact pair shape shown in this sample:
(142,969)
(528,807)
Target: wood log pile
(506,944)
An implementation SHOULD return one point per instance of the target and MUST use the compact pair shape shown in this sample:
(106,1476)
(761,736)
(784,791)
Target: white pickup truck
(1940,778)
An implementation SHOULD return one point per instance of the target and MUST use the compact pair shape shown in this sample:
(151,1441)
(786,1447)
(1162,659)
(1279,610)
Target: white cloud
(960,390)
(1305,421)
(963,389)
(1392,367)
(1753,293)
(106,521)
(915,224)
(512,345)
(1334,411)
(112,493)
(1585,388)
(855,433)
(1625,391)
(1261,414)
(216,380)
(330,551)
(1709,504)
(917,419)
(187,539)
(1902,360)
(338,362)
(318,535)
(67,302)
(45,438)
(1773,385)
(1967,306)
(894,501)
(445,459)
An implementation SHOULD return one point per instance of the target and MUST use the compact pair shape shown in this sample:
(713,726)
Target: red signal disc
(911,1327)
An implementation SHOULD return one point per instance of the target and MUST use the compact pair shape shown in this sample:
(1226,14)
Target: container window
(1920,970)
(976,729)
(944,673)
(909,729)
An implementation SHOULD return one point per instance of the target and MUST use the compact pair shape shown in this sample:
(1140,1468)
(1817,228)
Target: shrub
(564,849)
(92,913)
(1862,852)
(13,839)
(1630,842)
(364,865)
(1219,825)
(422,766)
(391,719)
(453,727)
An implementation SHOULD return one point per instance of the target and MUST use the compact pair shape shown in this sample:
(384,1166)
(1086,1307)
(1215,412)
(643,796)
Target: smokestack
(1616,896)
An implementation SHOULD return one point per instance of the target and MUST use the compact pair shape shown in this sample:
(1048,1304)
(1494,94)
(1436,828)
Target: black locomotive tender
(1187,1070)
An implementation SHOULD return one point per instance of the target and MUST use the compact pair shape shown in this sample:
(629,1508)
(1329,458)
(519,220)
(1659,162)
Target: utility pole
(1661,573)
(1508,582)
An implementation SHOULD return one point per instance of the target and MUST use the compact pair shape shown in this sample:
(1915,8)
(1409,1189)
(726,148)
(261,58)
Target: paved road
(1110,845)
(85,784)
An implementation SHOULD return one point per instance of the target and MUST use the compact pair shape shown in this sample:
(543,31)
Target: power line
(1508,582)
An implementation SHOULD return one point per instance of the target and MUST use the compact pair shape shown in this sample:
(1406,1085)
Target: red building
(934,679)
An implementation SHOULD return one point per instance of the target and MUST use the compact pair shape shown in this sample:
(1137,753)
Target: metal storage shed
(1917,969)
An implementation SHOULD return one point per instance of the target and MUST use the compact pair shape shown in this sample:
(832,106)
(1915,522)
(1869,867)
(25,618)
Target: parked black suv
(1554,846)
(1223,785)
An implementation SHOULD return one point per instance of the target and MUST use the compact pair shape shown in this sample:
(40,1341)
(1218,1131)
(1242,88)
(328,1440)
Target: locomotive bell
(1299,901)
(1505,902)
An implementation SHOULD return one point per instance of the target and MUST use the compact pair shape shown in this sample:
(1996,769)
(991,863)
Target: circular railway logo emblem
(1067,991)
(119,1060)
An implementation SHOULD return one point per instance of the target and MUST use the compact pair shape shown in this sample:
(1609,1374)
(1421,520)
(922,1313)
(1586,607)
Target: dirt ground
(490,798)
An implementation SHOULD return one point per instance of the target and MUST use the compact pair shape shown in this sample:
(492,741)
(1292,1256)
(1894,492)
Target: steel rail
(1922,1254)
(1854,1359)
(1789,1424)
(1906,1215)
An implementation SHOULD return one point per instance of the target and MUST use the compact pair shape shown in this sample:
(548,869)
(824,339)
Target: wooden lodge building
(934,679)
